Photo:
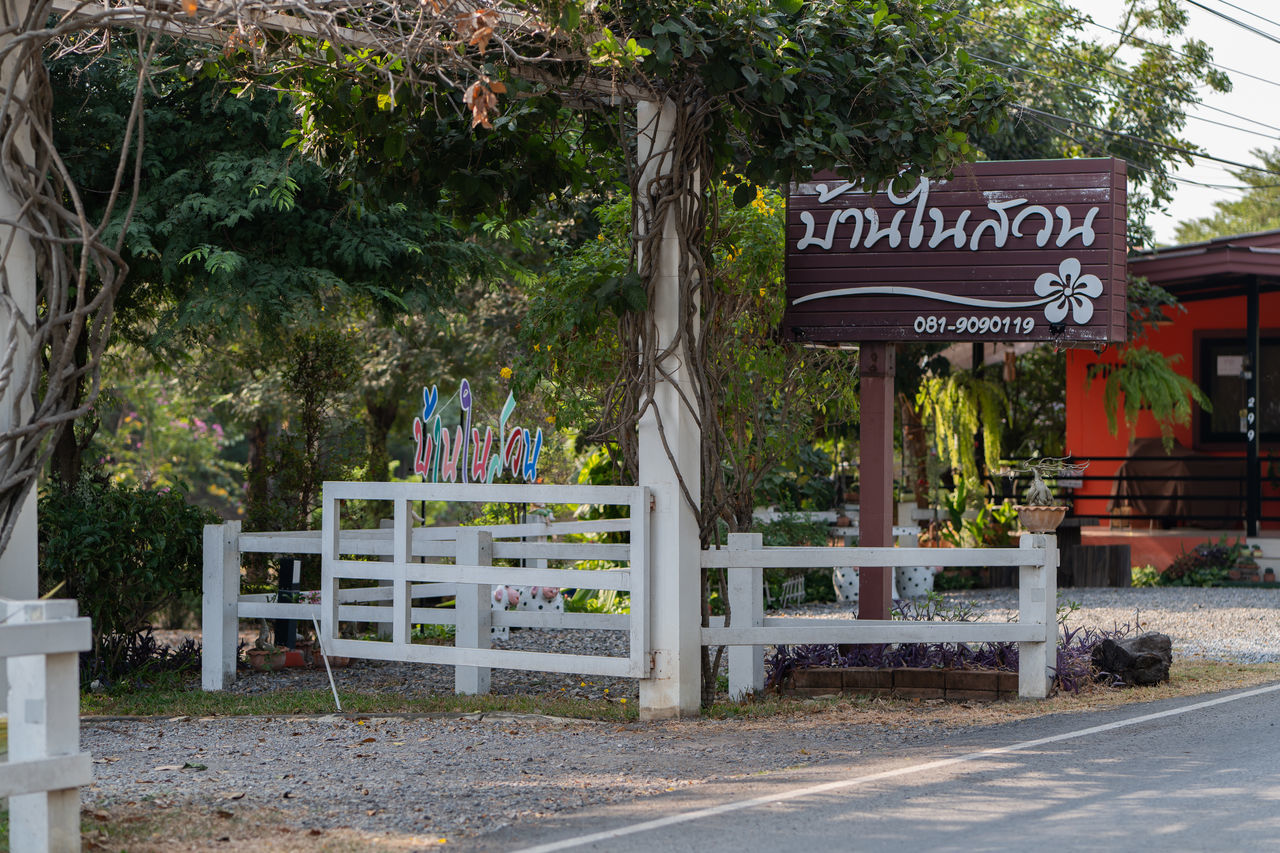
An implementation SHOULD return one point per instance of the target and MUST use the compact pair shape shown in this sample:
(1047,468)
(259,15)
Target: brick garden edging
(958,684)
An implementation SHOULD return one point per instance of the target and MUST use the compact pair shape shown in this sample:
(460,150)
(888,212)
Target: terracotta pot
(266,660)
(1041,519)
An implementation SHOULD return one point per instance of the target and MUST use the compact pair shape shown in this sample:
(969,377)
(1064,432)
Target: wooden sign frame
(1025,250)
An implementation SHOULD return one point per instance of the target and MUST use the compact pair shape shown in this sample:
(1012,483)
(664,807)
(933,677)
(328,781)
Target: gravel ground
(431,777)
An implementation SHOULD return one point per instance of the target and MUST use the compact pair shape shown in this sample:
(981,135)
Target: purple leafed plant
(1075,649)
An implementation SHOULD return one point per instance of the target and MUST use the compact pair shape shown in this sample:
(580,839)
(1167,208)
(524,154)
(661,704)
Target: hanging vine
(961,405)
(1144,379)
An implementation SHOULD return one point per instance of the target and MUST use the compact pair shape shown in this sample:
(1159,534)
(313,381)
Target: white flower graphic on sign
(1069,290)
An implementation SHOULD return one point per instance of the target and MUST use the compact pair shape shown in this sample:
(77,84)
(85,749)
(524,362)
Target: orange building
(1215,478)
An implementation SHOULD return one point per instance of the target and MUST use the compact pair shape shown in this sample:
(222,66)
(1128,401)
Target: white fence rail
(1035,631)
(40,642)
(420,562)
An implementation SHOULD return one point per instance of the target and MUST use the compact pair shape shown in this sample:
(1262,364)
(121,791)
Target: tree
(1073,94)
(1257,210)
(1077,94)
(234,236)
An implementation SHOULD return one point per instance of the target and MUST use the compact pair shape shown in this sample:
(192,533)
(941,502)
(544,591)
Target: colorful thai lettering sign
(1028,250)
(463,456)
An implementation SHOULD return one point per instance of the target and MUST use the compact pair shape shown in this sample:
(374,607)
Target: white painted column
(18,560)
(746,610)
(1038,605)
(673,688)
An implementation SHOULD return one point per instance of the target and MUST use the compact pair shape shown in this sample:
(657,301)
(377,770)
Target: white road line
(796,793)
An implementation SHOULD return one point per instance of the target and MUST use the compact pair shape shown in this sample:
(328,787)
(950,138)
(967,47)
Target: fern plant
(960,405)
(1146,380)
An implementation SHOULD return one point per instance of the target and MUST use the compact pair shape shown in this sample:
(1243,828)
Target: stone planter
(1041,519)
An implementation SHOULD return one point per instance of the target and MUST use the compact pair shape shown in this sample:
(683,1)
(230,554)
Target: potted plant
(265,656)
(1042,513)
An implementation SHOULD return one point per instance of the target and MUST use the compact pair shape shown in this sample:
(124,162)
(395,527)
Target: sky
(1250,100)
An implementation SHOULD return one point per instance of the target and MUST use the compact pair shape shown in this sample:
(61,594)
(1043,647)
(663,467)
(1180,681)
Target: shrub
(1204,565)
(1145,576)
(124,553)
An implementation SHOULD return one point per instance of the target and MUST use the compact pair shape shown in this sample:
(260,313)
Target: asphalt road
(1182,775)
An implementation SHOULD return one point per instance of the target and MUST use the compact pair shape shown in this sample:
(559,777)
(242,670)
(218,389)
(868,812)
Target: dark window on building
(1222,365)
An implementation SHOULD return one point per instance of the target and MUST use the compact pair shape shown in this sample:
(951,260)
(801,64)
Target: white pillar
(18,560)
(673,688)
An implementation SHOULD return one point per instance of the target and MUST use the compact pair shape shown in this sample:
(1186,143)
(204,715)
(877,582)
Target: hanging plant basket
(1041,519)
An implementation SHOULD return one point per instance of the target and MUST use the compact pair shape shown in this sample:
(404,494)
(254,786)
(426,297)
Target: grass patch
(193,702)
(1189,677)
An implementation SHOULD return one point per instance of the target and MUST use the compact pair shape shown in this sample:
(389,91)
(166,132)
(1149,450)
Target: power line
(1239,23)
(1251,14)
(1177,149)
(1126,100)
(1239,189)
(1081,19)
(1093,146)
(1108,71)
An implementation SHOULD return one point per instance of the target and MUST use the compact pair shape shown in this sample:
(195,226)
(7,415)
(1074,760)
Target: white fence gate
(409,562)
(40,643)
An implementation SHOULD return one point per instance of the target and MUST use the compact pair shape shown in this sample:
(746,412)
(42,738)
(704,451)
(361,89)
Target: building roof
(1213,268)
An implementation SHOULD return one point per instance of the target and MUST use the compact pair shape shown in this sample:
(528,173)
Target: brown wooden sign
(1026,250)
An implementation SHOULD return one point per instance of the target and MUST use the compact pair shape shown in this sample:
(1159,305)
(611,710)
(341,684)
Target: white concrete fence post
(221,598)
(1038,605)
(44,722)
(746,610)
(474,615)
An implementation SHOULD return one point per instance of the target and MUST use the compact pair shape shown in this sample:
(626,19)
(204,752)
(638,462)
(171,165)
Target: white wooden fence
(414,562)
(40,643)
(749,631)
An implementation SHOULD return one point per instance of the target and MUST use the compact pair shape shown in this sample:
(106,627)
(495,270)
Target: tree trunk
(380,416)
(257,495)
